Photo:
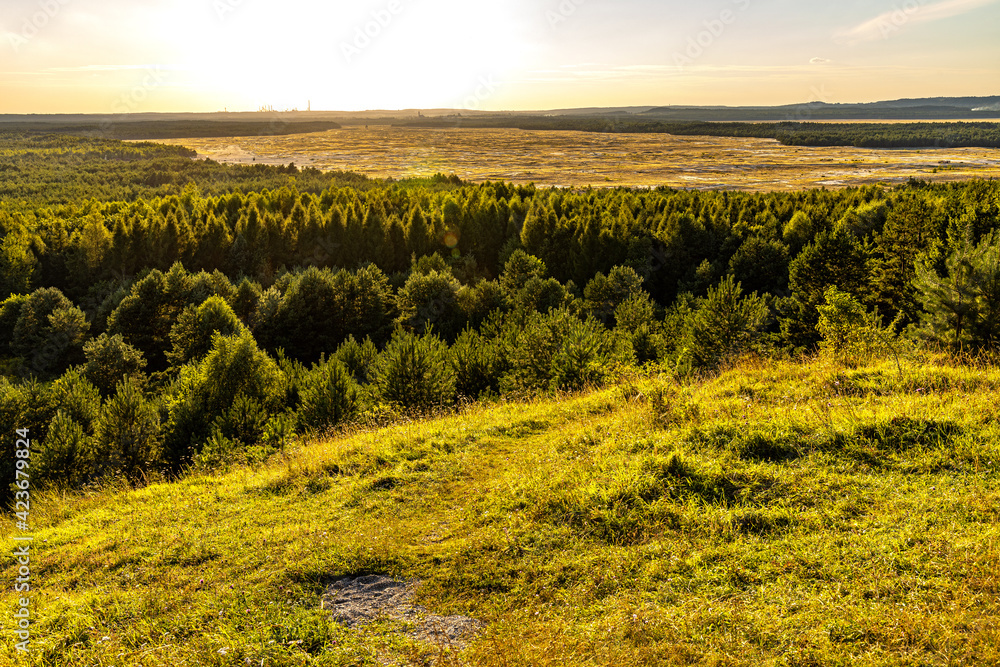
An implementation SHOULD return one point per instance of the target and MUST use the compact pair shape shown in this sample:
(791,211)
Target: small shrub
(244,421)
(556,351)
(127,438)
(191,336)
(218,453)
(208,391)
(603,295)
(78,398)
(478,365)
(358,358)
(476,303)
(668,408)
(519,268)
(724,324)
(635,321)
(279,432)
(851,334)
(429,300)
(110,360)
(63,457)
(329,396)
(415,373)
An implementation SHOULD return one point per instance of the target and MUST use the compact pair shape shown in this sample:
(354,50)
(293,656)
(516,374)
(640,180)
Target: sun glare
(378,55)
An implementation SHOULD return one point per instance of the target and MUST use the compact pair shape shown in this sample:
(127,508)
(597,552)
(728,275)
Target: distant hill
(931,108)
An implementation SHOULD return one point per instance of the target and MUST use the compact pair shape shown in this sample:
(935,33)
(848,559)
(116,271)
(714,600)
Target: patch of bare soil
(359,600)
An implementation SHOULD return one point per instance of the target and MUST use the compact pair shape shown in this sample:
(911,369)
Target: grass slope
(778,514)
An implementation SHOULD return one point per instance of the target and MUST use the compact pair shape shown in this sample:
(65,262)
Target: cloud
(909,13)
(819,61)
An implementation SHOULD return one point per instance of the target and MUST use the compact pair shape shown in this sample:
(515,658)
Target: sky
(129,56)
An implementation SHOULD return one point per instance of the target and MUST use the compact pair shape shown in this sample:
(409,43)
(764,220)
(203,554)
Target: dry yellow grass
(576,159)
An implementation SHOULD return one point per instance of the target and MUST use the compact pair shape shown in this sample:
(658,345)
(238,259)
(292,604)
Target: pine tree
(962,308)
(833,258)
(909,231)
(417,232)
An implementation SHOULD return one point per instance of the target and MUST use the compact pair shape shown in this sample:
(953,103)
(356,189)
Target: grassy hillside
(778,514)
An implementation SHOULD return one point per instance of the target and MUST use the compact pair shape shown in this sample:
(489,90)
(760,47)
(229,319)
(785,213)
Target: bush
(329,396)
(541,295)
(414,372)
(110,360)
(127,438)
(477,302)
(850,333)
(358,358)
(831,259)
(603,295)
(583,358)
(23,405)
(962,308)
(218,453)
(49,332)
(191,336)
(63,457)
(78,398)
(723,325)
(519,268)
(478,364)
(429,300)
(208,392)
(635,321)
(244,421)
(556,350)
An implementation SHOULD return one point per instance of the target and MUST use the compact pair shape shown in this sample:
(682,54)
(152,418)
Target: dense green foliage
(213,320)
(62,169)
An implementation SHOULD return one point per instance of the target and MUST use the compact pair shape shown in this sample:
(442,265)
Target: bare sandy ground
(577,159)
(360,600)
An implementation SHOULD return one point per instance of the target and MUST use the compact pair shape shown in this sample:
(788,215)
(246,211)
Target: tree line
(981,134)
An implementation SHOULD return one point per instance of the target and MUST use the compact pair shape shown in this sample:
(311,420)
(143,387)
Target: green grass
(778,514)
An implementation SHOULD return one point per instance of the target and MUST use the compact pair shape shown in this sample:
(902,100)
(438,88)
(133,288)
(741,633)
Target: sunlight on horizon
(116,56)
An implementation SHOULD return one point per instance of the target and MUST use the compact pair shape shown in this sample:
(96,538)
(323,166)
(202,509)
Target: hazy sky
(113,56)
